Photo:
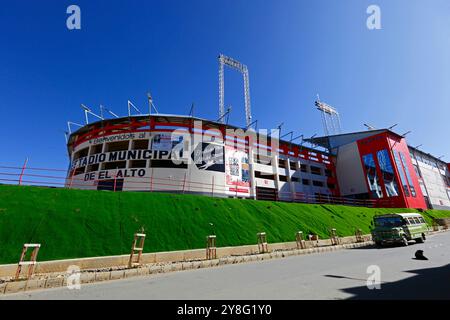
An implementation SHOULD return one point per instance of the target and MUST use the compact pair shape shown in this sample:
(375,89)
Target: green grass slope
(77,223)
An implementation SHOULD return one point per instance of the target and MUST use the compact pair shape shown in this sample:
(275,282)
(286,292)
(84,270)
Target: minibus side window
(416,220)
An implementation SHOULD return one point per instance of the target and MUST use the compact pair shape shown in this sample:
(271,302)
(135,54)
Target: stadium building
(191,155)
(184,154)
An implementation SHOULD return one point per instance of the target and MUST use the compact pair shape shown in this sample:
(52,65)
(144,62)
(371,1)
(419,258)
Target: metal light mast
(330,118)
(242,68)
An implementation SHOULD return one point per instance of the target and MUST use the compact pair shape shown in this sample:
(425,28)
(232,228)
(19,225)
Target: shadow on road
(385,246)
(431,283)
(345,277)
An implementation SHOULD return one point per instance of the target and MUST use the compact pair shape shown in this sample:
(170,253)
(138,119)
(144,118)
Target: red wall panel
(399,144)
(391,142)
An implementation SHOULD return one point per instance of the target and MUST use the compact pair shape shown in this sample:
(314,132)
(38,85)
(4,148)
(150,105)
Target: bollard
(333,237)
(262,242)
(299,239)
(32,263)
(138,237)
(211,252)
(359,235)
(435,226)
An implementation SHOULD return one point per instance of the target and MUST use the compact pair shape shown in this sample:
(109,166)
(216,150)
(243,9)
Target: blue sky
(294,49)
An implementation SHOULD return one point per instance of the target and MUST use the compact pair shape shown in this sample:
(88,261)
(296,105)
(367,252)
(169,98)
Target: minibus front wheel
(405,241)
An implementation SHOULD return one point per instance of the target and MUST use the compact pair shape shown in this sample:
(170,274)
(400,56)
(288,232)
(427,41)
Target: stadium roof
(337,140)
(169,118)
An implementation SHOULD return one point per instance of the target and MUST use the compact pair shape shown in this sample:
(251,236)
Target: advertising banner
(237,170)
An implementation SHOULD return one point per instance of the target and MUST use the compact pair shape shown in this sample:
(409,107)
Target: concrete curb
(100,276)
(58,280)
(108,263)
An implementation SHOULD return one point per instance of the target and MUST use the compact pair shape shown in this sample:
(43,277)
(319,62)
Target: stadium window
(283,178)
(306,182)
(80,154)
(416,169)
(138,164)
(387,172)
(371,176)
(167,164)
(402,173)
(303,168)
(114,165)
(96,149)
(282,163)
(315,170)
(408,175)
(317,183)
(92,167)
(446,180)
(295,179)
(79,171)
(263,160)
(117,146)
(267,176)
(140,144)
(292,165)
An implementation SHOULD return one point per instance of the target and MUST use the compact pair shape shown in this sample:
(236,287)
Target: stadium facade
(184,154)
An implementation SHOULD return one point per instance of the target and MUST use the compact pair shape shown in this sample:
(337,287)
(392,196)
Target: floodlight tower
(330,118)
(242,68)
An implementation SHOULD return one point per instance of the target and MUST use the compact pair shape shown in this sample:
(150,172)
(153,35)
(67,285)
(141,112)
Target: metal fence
(57,178)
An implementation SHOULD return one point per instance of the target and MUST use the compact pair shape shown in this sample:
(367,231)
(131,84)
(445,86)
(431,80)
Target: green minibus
(399,228)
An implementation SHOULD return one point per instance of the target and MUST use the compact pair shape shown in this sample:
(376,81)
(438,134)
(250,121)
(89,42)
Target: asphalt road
(335,275)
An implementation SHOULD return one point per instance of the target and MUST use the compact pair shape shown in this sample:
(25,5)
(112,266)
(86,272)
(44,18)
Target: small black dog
(419,255)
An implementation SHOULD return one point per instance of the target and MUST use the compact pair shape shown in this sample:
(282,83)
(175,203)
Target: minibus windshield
(389,222)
